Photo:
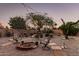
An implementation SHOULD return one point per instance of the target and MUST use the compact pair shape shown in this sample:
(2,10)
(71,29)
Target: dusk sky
(69,12)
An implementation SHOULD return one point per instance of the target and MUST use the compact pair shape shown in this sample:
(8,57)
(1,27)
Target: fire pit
(26,46)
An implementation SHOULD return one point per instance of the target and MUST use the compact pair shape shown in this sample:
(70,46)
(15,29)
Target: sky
(67,11)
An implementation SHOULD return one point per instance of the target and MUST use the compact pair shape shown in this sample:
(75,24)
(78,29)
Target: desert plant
(69,28)
(39,21)
(17,23)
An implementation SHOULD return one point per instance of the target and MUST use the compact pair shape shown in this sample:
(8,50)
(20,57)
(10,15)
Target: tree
(17,23)
(39,21)
(69,28)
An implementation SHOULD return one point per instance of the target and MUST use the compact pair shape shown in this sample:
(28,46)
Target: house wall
(58,32)
(2,32)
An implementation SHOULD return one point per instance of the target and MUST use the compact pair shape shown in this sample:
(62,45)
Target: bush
(69,29)
(25,34)
(8,34)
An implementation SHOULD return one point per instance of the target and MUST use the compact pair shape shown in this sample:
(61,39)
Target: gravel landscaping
(71,50)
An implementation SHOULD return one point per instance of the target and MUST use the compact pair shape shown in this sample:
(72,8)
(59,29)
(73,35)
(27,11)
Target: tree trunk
(66,37)
(45,45)
(38,36)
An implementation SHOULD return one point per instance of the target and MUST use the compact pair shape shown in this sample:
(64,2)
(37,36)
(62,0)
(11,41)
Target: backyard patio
(7,48)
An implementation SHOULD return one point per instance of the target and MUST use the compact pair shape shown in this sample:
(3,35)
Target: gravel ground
(71,50)
(10,50)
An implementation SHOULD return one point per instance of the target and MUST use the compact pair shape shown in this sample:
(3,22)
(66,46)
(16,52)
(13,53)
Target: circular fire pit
(26,46)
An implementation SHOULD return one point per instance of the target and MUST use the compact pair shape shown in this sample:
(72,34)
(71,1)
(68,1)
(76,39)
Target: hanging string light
(29,9)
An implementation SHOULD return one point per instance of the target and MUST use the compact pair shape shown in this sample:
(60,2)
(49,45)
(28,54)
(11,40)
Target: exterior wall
(18,32)
(28,32)
(58,32)
(2,32)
